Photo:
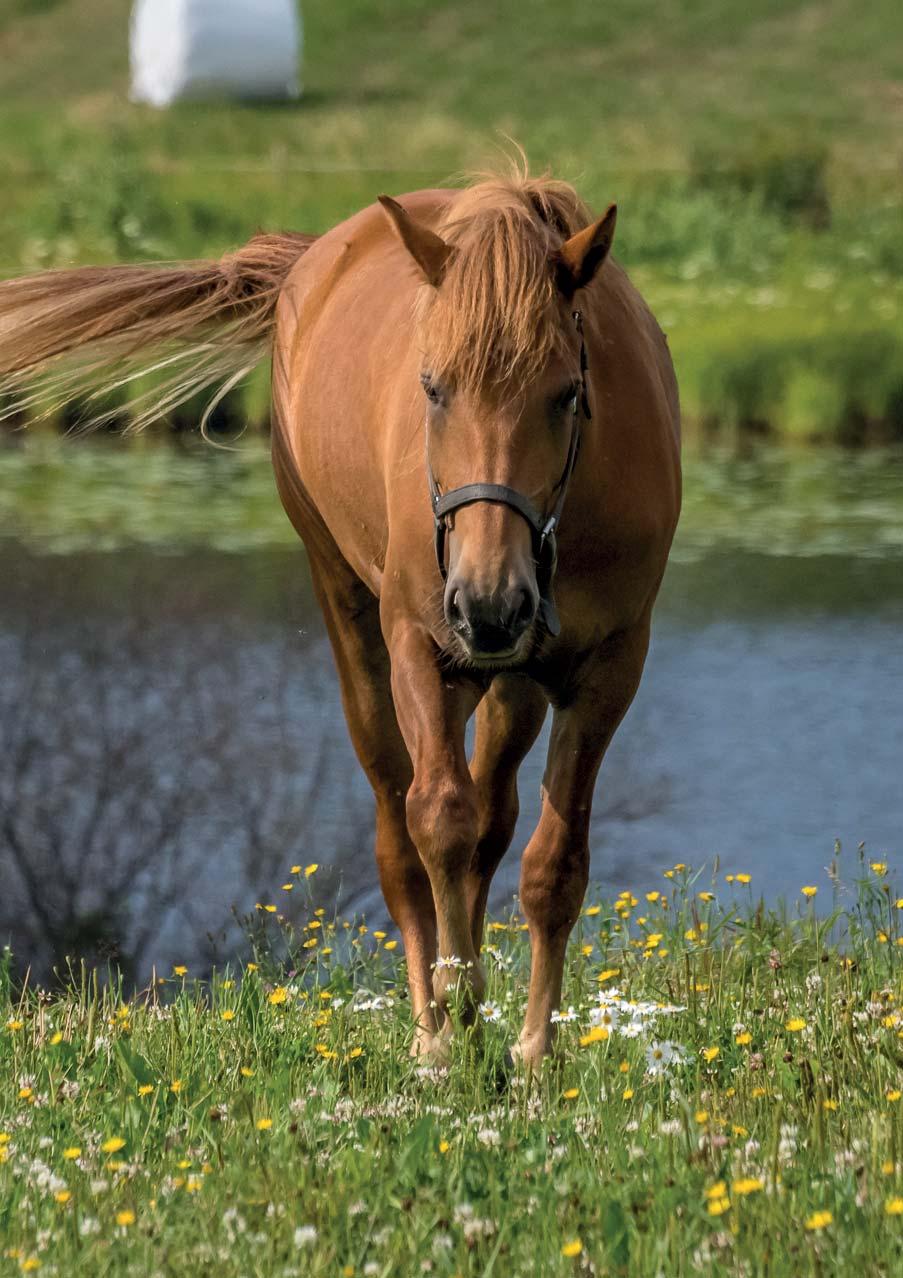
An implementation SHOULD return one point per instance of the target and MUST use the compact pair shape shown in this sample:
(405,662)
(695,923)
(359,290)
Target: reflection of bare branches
(151,776)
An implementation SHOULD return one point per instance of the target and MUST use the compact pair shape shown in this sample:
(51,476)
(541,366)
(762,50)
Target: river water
(144,673)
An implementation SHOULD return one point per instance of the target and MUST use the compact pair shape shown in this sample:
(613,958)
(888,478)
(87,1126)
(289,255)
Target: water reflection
(171,738)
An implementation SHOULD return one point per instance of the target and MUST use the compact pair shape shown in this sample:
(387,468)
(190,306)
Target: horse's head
(502,381)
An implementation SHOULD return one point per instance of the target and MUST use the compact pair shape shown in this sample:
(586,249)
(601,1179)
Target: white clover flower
(305,1235)
(489,1136)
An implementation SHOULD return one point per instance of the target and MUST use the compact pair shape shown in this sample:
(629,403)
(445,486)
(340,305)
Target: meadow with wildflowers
(727,1095)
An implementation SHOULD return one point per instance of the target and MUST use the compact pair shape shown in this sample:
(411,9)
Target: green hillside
(755,150)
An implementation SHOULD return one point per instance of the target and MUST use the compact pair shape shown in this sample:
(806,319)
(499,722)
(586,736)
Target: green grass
(265,1122)
(753,148)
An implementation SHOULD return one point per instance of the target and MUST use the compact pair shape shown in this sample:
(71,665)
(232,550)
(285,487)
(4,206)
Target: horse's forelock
(497,318)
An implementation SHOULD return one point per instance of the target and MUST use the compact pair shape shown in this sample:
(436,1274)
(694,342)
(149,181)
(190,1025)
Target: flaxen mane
(498,316)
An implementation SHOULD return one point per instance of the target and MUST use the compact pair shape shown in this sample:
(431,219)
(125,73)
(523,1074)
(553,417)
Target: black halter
(543,527)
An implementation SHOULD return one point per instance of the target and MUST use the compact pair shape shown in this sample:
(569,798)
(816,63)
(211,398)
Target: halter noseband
(543,527)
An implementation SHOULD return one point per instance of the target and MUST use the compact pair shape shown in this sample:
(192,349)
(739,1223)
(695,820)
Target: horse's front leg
(442,809)
(555,866)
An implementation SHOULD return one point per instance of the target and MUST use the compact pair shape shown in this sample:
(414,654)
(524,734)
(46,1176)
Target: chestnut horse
(476,434)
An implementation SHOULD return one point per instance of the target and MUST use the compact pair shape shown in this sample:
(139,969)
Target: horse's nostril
(453,608)
(524,611)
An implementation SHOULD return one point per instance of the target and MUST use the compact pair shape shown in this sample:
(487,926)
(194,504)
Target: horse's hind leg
(508,721)
(352,620)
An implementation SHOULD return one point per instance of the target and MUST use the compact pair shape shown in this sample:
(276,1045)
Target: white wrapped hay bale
(214,48)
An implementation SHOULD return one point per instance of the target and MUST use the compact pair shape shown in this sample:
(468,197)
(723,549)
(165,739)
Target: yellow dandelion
(311,869)
(571,1094)
(288,887)
(652,897)
(252,967)
(145,1089)
(829,1104)
(706,896)
(627,1093)
(180,970)
(718,1206)
(795,1024)
(227,1015)
(264,1124)
(56,1038)
(718,1190)
(743,1039)
(279,995)
(894,1207)
(809,891)
(62,1196)
(573,1248)
(125,1218)
(879,868)
(246,1071)
(893,1095)
(744,878)
(72,1152)
(819,1220)
(296,869)
(444,1147)
(608,974)
(709,1053)
(30,1264)
(598,1034)
(175,1086)
(701,1116)
(747,1185)
(15,1026)
(113,1144)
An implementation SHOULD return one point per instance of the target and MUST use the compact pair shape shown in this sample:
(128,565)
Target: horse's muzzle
(491,627)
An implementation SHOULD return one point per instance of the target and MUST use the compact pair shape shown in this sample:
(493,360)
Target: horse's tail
(139,338)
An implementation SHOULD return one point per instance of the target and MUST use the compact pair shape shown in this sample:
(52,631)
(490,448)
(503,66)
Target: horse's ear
(578,259)
(429,250)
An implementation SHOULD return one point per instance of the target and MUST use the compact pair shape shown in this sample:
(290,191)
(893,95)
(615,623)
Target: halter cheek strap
(543,527)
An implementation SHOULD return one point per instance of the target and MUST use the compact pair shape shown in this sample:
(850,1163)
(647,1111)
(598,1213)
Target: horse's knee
(553,885)
(442,819)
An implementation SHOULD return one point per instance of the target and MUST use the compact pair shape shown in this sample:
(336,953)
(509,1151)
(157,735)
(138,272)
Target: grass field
(727,1097)
(754,150)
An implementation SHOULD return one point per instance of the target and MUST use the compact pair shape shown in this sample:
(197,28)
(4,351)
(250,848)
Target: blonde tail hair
(93,333)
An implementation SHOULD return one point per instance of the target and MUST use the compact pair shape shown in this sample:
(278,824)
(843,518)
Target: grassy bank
(727,1096)
(754,151)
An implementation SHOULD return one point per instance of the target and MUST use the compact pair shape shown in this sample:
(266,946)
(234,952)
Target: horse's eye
(567,400)
(432,391)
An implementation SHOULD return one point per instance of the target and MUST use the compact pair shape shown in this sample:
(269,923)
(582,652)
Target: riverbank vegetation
(727,1094)
(754,151)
